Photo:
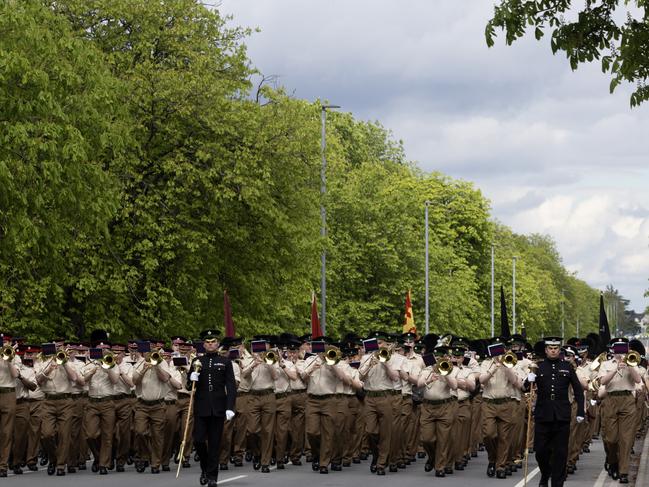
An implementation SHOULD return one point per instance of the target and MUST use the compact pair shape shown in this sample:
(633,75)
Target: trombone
(8,353)
(332,356)
(154,358)
(509,360)
(444,367)
(108,361)
(270,357)
(383,354)
(61,357)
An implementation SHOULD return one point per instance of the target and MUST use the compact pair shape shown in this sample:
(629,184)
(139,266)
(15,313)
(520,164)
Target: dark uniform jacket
(216,390)
(553,379)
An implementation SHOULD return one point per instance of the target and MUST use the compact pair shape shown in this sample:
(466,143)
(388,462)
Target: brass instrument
(383,354)
(632,359)
(509,360)
(8,353)
(61,357)
(332,356)
(108,361)
(154,358)
(598,361)
(270,357)
(594,385)
(444,367)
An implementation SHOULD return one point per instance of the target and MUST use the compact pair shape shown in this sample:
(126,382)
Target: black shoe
(544,481)
(248,457)
(356,460)
(18,471)
(103,471)
(586,449)
(155,470)
(393,468)
(380,470)
(256,466)
(237,463)
(3,473)
(459,466)
(481,447)
(265,469)
(95,467)
(139,467)
(440,473)
(32,467)
(280,466)
(309,459)
(315,465)
(60,472)
(508,470)
(570,469)
(448,470)
(624,478)
(119,468)
(82,466)
(203,479)
(421,454)
(51,468)
(373,468)
(335,467)
(212,483)
(474,454)
(615,474)
(428,467)
(401,465)
(325,470)
(166,468)
(501,474)
(347,464)
(491,470)
(130,460)
(272,461)
(223,466)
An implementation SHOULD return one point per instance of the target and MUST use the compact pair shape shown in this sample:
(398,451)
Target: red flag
(315,319)
(227,316)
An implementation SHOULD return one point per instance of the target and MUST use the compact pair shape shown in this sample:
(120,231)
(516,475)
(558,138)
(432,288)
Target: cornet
(8,353)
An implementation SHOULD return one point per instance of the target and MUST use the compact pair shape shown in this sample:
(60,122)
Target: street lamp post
(323,216)
(426,203)
(514,293)
(563,325)
(492,290)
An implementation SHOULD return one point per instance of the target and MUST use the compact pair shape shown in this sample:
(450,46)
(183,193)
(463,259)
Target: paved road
(589,474)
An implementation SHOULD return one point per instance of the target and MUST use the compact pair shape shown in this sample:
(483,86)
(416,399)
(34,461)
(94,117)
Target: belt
(5,390)
(321,396)
(56,397)
(500,400)
(124,396)
(243,393)
(297,391)
(462,401)
(23,400)
(407,395)
(438,402)
(151,403)
(381,393)
(620,393)
(170,402)
(185,395)
(101,399)
(262,392)
(281,395)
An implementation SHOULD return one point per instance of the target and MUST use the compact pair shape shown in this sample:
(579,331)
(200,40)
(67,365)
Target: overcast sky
(551,149)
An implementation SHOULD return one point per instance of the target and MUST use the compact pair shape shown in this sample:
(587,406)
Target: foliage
(613,32)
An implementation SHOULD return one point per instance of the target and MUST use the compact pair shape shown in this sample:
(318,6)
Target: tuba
(598,361)
(8,353)
(509,360)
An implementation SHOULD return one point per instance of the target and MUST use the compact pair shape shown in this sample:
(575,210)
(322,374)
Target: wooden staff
(197,367)
(529,430)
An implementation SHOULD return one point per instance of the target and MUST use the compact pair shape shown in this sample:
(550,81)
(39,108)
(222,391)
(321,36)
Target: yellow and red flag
(409,322)
(315,320)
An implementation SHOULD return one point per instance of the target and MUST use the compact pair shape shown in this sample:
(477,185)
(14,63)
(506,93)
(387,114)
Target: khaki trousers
(261,425)
(497,424)
(123,426)
(320,412)
(282,425)
(240,437)
(351,435)
(169,431)
(78,442)
(56,429)
(226,442)
(379,415)
(398,425)
(99,429)
(617,429)
(412,431)
(183,410)
(341,417)
(461,431)
(34,431)
(7,415)
(518,430)
(296,431)
(436,425)
(21,432)
(148,425)
(476,423)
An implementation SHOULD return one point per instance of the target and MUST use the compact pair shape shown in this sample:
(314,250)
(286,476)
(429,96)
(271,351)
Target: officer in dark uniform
(553,411)
(214,401)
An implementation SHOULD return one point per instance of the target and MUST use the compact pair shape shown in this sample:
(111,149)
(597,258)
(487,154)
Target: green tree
(615,32)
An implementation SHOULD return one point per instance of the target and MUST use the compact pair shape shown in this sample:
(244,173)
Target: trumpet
(444,367)
(383,354)
(270,357)
(61,357)
(154,358)
(598,361)
(108,361)
(632,359)
(509,360)
(332,356)
(8,353)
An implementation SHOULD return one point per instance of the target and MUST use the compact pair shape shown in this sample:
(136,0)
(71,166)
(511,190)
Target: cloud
(550,147)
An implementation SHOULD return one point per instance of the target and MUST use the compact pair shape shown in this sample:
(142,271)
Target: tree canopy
(613,32)
(142,174)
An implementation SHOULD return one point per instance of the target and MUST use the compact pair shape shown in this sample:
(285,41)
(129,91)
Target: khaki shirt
(376,377)
(341,387)
(497,387)
(28,373)
(322,379)
(621,381)
(521,369)
(100,385)
(262,378)
(172,392)
(126,370)
(151,388)
(438,389)
(468,374)
(77,366)
(6,379)
(298,384)
(414,364)
(398,363)
(57,382)
(282,383)
(245,382)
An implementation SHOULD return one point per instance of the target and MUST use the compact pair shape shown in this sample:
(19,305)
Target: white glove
(531,377)
(580,419)
(229,415)
(593,402)
(194,376)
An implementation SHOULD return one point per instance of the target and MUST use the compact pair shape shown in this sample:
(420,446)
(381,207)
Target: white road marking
(601,479)
(238,477)
(529,477)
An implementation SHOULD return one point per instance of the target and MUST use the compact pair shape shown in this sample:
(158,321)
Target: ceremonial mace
(197,367)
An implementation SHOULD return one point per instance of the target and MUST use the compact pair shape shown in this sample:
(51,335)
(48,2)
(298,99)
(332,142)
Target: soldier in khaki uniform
(124,402)
(378,378)
(413,366)
(400,408)
(56,381)
(461,432)
(498,408)
(349,437)
(618,410)
(25,382)
(185,350)
(285,373)
(242,418)
(171,411)
(8,375)
(79,392)
(438,412)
